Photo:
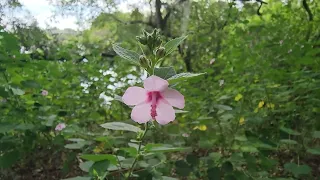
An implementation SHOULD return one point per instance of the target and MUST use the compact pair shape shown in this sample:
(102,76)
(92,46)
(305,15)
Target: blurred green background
(253,115)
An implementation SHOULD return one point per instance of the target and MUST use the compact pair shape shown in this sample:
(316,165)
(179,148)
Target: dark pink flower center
(154,97)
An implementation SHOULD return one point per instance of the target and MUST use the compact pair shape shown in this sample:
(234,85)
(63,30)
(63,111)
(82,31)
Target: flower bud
(142,40)
(155,33)
(144,62)
(139,157)
(158,41)
(145,33)
(139,135)
(161,52)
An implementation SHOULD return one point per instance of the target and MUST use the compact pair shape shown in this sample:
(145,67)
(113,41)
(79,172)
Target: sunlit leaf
(288,141)
(289,131)
(85,166)
(128,55)
(183,76)
(164,72)
(173,44)
(17,91)
(120,126)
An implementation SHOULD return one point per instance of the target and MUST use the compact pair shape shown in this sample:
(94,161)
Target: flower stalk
(140,139)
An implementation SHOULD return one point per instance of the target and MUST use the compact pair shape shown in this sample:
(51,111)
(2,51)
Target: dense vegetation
(249,73)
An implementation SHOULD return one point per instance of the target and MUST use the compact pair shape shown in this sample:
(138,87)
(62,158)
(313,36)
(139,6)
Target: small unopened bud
(139,135)
(142,40)
(145,33)
(144,61)
(158,41)
(139,157)
(161,52)
(155,33)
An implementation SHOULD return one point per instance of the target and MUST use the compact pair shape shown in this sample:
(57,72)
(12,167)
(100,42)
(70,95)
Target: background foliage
(254,114)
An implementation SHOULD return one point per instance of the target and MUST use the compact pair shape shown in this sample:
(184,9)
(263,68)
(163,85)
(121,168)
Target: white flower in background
(281,42)
(85,60)
(212,60)
(221,82)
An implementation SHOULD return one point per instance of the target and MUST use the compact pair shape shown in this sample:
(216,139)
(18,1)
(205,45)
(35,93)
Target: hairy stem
(139,149)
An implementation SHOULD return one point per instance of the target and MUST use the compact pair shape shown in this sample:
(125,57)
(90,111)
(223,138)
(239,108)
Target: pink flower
(154,101)
(185,135)
(44,92)
(60,126)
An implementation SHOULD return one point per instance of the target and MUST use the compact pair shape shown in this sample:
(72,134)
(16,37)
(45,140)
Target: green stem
(139,149)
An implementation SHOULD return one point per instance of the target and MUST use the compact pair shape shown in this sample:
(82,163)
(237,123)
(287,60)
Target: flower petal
(134,96)
(141,113)
(174,98)
(165,113)
(154,83)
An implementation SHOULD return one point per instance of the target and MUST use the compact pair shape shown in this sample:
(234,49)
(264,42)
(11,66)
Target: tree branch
(306,7)
(132,22)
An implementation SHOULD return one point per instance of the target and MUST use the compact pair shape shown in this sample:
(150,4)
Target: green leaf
(288,141)
(178,111)
(214,173)
(215,156)
(227,167)
(120,126)
(297,170)
(248,148)
(17,91)
(173,44)
(192,160)
(223,107)
(289,131)
(128,55)
(182,168)
(315,151)
(85,166)
(168,178)
(25,127)
(99,167)
(316,134)
(3,92)
(100,157)
(183,76)
(78,178)
(74,146)
(30,84)
(9,158)
(131,151)
(163,148)
(164,72)
(6,127)
(153,161)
